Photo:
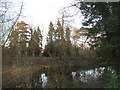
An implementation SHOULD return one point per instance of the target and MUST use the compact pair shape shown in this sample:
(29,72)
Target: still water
(88,75)
(43,79)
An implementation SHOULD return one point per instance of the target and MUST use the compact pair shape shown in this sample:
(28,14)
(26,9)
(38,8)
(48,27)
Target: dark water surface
(91,78)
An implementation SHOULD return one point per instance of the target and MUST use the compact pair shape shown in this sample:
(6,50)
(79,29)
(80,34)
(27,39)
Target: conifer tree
(35,42)
(58,30)
(68,46)
(68,35)
(101,20)
(49,51)
(22,27)
(14,42)
(40,36)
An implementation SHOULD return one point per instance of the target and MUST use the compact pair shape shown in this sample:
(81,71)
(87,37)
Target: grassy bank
(22,71)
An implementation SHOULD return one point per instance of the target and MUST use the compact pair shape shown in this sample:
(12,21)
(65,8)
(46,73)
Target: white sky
(41,12)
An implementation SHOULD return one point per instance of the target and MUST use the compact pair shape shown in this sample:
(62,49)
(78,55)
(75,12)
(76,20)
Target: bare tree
(9,15)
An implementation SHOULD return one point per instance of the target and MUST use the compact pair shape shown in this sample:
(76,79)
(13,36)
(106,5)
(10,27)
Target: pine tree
(35,42)
(68,45)
(58,30)
(22,27)
(50,33)
(102,22)
(68,34)
(40,37)
(49,51)
(14,42)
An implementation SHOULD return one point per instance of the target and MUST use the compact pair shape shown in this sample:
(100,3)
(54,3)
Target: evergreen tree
(14,42)
(58,43)
(102,22)
(50,33)
(49,51)
(58,30)
(35,42)
(68,42)
(22,27)
(68,34)
(40,37)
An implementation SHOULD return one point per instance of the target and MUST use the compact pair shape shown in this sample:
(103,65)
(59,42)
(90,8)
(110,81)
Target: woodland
(95,45)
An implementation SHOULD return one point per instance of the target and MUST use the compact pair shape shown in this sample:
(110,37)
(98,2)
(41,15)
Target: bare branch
(10,29)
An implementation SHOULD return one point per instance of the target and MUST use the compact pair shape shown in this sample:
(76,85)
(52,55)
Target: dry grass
(21,72)
(18,73)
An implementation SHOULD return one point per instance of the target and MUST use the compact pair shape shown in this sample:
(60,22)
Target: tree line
(25,41)
(100,26)
(101,20)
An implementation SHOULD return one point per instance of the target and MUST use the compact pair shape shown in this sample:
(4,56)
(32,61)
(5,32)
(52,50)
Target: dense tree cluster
(58,40)
(101,20)
(25,41)
(100,26)
(75,48)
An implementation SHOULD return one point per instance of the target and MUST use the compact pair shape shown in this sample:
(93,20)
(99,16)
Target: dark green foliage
(112,78)
(58,43)
(37,51)
(35,42)
(101,20)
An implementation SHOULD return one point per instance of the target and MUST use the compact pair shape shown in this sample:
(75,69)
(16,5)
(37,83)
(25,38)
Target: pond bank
(26,72)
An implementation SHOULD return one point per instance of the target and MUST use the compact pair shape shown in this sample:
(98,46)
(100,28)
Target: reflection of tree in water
(88,75)
(40,81)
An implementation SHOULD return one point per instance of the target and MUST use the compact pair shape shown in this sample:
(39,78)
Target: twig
(10,29)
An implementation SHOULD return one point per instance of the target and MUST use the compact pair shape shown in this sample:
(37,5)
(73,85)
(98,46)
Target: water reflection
(44,80)
(89,75)
(41,81)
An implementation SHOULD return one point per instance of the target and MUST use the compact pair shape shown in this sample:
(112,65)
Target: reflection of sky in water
(79,76)
(88,75)
(73,74)
(42,80)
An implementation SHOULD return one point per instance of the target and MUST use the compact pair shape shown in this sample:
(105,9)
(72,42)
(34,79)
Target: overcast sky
(41,12)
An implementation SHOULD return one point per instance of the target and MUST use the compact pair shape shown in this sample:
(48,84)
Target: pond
(91,78)
(89,75)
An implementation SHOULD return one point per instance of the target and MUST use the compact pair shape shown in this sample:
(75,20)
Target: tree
(50,33)
(49,51)
(40,37)
(22,27)
(68,42)
(68,35)
(79,35)
(35,42)
(14,42)
(58,30)
(58,42)
(101,21)
(8,19)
